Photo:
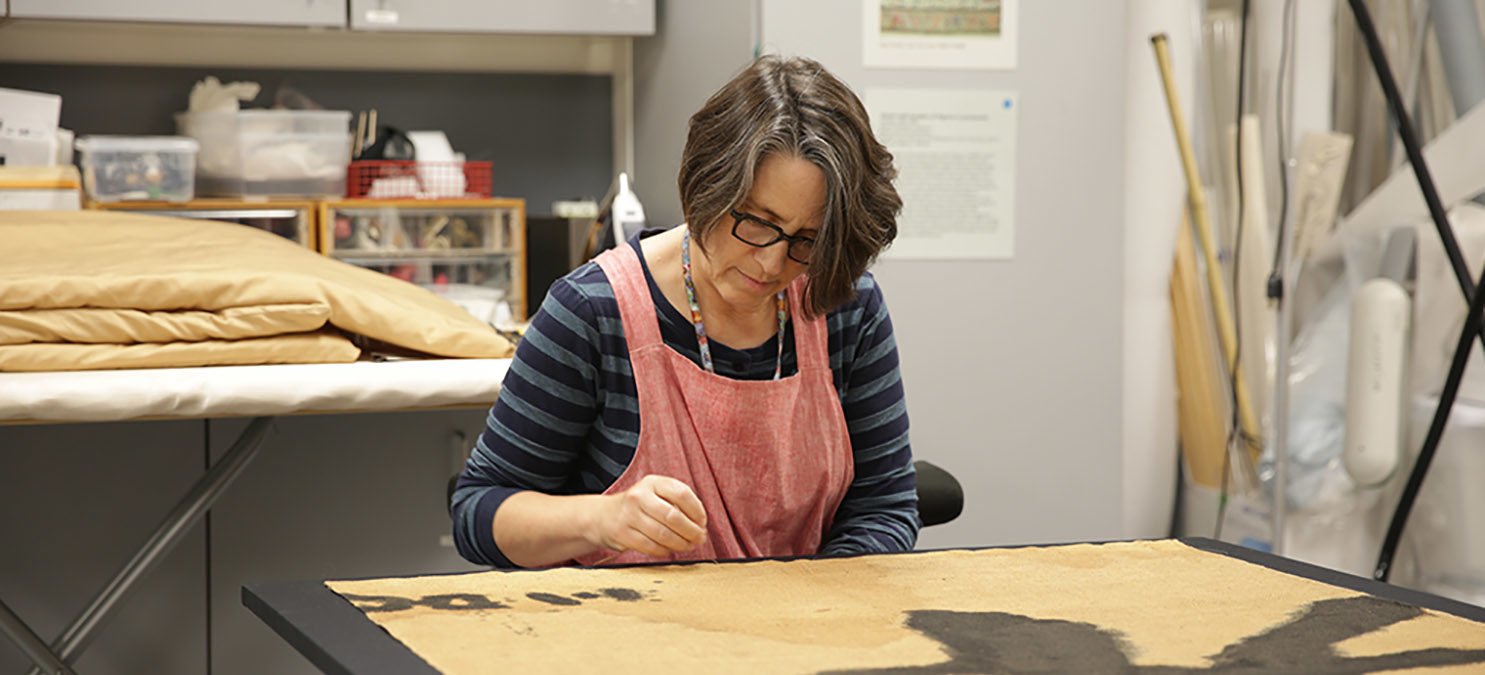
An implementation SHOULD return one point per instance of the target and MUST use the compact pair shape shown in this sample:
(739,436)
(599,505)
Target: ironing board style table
(1188,605)
(260,392)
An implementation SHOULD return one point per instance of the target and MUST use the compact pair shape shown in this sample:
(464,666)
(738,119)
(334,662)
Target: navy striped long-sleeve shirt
(567,418)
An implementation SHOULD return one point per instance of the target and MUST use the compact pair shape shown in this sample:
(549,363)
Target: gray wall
(548,135)
(1013,368)
(697,46)
(76,500)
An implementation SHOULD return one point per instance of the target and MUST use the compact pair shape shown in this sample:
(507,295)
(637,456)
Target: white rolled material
(1380,317)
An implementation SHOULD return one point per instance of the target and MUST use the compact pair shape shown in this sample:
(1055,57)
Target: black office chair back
(940,498)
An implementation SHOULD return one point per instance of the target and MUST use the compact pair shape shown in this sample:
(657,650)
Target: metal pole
(1288,279)
(1462,49)
(169,533)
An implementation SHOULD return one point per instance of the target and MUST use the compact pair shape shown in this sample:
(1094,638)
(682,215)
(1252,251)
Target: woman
(726,388)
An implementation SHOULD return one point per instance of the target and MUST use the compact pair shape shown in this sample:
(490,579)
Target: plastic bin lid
(273,112)
(136,144)
(267,112)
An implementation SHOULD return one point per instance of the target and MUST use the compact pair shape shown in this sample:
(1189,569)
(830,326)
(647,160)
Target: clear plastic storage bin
(138,168)
(475,248)
(270,153)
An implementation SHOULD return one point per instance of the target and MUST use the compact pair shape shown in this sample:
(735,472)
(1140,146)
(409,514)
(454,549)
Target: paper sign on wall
(955,152)
(939,34)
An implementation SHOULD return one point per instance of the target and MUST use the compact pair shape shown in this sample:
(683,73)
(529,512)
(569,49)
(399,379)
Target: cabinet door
(264,12)
(580,17)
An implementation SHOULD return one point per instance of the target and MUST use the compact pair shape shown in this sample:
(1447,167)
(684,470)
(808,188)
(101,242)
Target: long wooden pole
(1195,193)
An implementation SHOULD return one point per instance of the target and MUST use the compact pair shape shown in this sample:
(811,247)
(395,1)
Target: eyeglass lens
(758,233)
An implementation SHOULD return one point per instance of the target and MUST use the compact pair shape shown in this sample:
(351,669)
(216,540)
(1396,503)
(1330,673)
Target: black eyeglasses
(755,231)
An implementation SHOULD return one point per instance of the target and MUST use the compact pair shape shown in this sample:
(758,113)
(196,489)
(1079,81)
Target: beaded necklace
(706,350)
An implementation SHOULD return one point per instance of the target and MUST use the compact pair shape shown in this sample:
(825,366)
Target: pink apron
(770,460)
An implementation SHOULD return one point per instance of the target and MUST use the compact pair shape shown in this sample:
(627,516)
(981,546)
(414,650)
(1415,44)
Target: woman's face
(788,193)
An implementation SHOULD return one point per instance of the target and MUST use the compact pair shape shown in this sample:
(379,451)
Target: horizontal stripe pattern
(567,419)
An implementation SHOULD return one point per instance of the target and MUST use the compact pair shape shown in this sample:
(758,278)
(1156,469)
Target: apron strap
(811,336)
(636,308)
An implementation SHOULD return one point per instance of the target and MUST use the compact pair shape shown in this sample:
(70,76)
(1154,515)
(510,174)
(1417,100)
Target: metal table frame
(359,387)
(54,658)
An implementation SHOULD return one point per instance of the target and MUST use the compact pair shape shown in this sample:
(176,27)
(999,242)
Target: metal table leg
(182,517)
(34,648)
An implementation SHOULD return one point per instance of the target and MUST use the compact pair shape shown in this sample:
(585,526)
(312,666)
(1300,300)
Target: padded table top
(234,391)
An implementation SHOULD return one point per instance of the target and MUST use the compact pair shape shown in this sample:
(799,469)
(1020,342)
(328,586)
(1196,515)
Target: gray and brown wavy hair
(794,107)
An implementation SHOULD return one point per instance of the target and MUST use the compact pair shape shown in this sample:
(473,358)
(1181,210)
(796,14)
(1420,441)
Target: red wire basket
(397,179)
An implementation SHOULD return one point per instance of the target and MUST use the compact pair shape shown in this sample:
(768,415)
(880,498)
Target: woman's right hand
(657,516)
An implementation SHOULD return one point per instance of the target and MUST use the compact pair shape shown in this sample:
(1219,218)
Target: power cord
(1284,85)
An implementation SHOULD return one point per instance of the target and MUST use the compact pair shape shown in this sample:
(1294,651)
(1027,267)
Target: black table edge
(329,631)
(1341,579)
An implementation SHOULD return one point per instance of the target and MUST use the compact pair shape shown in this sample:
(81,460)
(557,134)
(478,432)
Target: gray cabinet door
(262,12)
(579,17)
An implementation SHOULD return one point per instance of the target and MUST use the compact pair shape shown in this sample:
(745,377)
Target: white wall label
(383,17)
(955,152)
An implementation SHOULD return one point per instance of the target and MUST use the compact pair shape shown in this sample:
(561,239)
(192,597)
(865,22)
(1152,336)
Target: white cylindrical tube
(1380,318)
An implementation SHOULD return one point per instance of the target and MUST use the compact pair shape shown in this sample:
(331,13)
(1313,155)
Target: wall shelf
(240,46)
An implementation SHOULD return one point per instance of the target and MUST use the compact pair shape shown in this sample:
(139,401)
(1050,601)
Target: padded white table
(223,391)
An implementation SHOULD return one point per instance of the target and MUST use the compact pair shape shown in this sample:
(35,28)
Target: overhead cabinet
(584,17)
(553,17)
(256,12)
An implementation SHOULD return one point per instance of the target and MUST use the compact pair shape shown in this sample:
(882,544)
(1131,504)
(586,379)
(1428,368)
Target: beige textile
(113,288)
(1119,607)
(316,347)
